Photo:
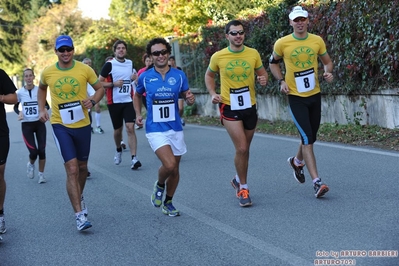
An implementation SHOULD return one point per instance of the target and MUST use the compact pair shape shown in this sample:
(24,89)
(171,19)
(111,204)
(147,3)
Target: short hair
(28,69)
(232,23)
(86,60)
(172,57)
(157,41)
(117,43)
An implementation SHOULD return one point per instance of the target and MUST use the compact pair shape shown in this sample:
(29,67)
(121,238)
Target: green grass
(358,135)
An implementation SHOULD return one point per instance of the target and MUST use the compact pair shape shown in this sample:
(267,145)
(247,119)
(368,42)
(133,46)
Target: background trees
(361,35)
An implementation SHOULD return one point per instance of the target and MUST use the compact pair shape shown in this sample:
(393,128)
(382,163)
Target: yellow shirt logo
(303,57)
(67,88)
(238,70)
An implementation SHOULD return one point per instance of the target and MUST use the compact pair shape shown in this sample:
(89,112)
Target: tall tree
(12,19)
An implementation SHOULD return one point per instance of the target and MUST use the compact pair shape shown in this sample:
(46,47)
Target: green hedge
(361,37)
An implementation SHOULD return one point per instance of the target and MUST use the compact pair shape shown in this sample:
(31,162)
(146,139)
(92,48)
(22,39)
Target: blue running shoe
(169,209)
(157,195)
(82,223)
(235,185)
(244,199)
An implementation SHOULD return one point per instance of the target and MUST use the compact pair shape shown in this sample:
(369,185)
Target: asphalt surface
(286,225)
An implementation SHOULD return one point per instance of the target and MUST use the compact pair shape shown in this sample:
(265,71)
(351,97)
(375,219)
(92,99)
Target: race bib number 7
(71,112)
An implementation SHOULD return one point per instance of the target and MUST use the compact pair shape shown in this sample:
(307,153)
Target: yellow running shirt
(237,75)
(300,59)
(68,87)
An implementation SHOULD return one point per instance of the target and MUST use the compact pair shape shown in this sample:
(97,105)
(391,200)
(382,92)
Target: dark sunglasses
(162,52)
(302,19)
(63,49)
(235,32)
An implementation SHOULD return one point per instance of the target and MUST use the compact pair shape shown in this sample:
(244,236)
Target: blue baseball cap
(63,40)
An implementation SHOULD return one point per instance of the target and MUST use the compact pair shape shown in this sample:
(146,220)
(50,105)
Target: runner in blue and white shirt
(162,85)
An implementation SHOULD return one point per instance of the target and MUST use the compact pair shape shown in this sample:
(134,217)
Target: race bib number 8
(163,110)
(240,99)
(305,80)
(71,112)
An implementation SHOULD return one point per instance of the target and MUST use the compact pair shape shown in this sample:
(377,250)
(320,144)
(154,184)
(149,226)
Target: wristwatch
(93,102)
(279,81)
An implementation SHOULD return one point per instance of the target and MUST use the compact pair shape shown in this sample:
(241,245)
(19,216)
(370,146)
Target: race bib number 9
(163,110)
(305,80)
(71,112)
(30,109)
(240,99)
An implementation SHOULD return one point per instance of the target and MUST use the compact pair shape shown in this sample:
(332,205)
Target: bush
(361,38)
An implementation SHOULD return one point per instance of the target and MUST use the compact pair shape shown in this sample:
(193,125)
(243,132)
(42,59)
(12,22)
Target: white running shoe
(30,170)
(118,158)
(2,225)
(41,178)
(135,163)
(82,223)
(123,145)
(83,206)
(99,130)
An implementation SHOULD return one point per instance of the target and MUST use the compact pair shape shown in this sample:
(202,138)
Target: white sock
(237,179)
(243,186)
(98,119)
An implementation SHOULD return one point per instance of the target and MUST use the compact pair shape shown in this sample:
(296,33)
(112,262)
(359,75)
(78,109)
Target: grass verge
(358,135)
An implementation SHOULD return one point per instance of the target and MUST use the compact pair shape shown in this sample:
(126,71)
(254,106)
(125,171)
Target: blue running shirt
(162,98)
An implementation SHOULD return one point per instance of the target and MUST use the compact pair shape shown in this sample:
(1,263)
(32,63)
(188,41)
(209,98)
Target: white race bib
(305,80)
(30,109)
(71,112)
(240,99)
(125,89)
(163,110)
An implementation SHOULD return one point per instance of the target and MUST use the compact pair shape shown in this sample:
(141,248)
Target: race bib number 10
(163,110)
(71,112)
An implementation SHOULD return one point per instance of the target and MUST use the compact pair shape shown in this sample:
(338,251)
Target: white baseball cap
(297,12)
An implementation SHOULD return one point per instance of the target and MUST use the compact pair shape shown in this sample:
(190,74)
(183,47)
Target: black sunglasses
(300,19)
(162,52)
(63,49)
(235,32)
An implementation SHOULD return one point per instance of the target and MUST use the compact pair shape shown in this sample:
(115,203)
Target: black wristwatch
(93,102)
(279,81)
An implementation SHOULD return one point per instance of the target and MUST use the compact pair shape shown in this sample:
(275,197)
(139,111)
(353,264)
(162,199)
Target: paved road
(286,225)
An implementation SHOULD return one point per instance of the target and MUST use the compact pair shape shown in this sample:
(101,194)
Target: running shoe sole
(86,225)
(322,191)
(136,166)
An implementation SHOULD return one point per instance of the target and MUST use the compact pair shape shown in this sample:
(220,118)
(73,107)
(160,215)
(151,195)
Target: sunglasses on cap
(162,52)
(302,19)
(63,49)
(235,32)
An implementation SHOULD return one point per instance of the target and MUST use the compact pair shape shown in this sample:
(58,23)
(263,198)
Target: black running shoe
(298,170)
(320,189)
